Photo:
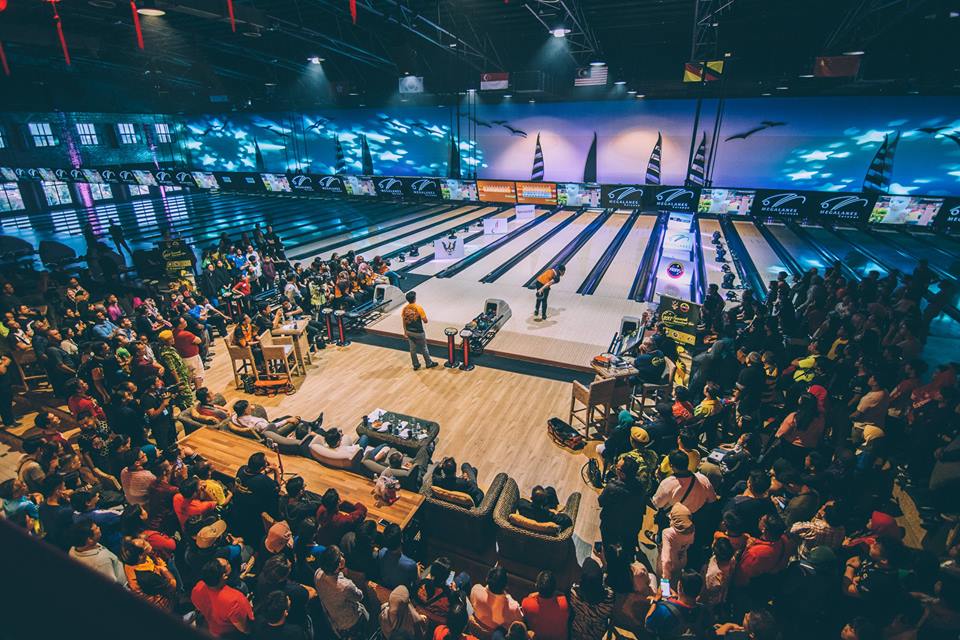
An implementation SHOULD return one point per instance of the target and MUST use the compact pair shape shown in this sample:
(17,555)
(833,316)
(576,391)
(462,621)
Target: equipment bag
(565,435)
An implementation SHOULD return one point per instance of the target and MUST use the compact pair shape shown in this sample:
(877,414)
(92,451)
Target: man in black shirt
(60,365)
(256,490)
(445,476)
(749,391)
(156,406)
(124,416)
(7,379)
(56,514)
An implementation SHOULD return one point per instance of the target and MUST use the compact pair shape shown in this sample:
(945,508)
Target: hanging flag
(258,156)
(697,170)
(708,71)
(537,174)
(341,167)
(233,20)
(880,171)
(592,76)
(3,61)
(353,11)
(366,158)
(653,166)
(836,66)
(59,26)
(136,24)
(453,162)
(590,166)
(494,81)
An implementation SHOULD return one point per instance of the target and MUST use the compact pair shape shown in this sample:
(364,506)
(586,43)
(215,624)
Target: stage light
(152,13)
(452,45)
(269,84)
(315,60)
(806,75)
(597,63)
(560,32)
(631,93)
(641,96)
(508,95)
(727,54)
(620,83)
(781,88)
(471,90)
(856,52)
(531,101)
(353,93)
(766,94)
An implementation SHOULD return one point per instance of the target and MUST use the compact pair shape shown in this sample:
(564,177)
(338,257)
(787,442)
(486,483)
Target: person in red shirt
(225,610)
(682,407)
(456,625)
(187,345)
(764,555)
(79,402)
(547,612)
(336,518)
(186,504)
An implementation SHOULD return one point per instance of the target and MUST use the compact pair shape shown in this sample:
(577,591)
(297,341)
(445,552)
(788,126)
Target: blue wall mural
(800,143)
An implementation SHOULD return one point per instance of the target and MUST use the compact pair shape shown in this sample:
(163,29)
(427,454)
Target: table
(297,330)
(623,387)
(409,446)
(227,452)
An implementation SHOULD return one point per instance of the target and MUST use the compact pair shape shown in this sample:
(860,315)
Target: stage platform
(578,327)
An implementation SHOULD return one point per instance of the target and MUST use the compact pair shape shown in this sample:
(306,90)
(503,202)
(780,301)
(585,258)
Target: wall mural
(798,143)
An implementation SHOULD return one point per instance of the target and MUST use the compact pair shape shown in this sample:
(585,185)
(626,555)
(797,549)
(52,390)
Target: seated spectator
(342,600)
(765,555)
(272,620)
(546,610)
(753,501)
(542,507)
(274,576)
(874,579)
(393,567)
(188,503)
(225,610)
(147,574)
(398,616)
(757,624)
(392,463)
(205,411)
(712,403)
(493,607)
(682,407)
(687,442)
(337,450)
(297,504)
(719,573)
(455,626)
(256,491)
(650,364)
(14,494)
(245,423)
(86,548)
(591,602)
(209,487)
(135,479)
(335,518)
(357,547)
(438,590)
(445,476)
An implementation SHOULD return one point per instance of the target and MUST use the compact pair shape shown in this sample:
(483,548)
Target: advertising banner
(388,187)
(783,202)
(359,186)
(420,188)
(910,210)
(680,318)
(628,196)
(672,199)
(448,248)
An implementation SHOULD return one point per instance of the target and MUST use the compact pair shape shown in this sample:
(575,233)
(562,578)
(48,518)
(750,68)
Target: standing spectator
(225,610)
(622,505)
(155,403)
(393,567)
(176,370)
(680,615)
(676,539)
(591,602)
(187,345)
(187,503)
(399,616)
(147,574)
(256,490)
(336,517)
(135,479)
(273,622)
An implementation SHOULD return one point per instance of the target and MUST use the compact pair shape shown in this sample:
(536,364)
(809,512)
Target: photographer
(155,402)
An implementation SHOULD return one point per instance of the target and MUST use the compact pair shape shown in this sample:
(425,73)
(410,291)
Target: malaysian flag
(653,166)
(878,175)
(537,174)
(592,76)
(366,158)
(695,175)
(341,159)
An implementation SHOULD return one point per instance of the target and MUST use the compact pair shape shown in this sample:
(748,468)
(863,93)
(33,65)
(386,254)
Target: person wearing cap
(642,452)
(542,284)
(675,540)
(176,370)
(225,610)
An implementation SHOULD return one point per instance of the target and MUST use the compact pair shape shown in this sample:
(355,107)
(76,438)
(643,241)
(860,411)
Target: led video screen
(907,210)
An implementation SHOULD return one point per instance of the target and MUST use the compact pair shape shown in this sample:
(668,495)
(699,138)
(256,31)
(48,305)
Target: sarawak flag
(836,66)
(708,71)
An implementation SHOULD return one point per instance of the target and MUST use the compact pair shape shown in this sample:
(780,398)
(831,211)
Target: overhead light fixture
(353,93)
(269,84)
(151,13)
(631,93)
(727,54)
(855,52)
(597,63)
(782,88)
(766,94)
(641,96)
(531,101)
(452,45)
(560,32)
(508,95)
(620,83)
(252,33)
(315,60)
(806,75)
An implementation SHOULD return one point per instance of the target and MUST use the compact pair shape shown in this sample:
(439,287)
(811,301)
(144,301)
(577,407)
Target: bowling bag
(273,387)
(565,435)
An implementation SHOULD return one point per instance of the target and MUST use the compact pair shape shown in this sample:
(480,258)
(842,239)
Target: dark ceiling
(191,53)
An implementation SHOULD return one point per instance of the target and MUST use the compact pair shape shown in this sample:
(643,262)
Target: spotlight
(855,52)
(269,84)
(452,45)
(153,13)
(353,93)
(620,83)
(766,94)
(641,96)
(597,63)
(531,101)
(508,95)
(315,60)
(631,93)
(806,75)
(471,90)
(560,32)
(782,88)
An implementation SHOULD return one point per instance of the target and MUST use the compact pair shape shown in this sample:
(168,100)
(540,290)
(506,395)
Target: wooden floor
(494,419)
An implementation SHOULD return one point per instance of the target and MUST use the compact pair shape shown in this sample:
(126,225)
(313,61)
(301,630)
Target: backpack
(682,623)
(648,463)
(591,474)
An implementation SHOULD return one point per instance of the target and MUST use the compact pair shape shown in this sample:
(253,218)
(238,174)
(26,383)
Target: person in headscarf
(398,616)
(677,538)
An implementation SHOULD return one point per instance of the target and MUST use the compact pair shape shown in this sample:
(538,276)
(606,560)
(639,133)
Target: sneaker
(536,318)
(432,364)
(416,367)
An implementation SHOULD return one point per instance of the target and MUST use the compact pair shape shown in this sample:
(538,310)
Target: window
(128,133)
(10,198)
(42,134)
(163,132)
(57,193)
(139,190)
(87,133)
(101,191)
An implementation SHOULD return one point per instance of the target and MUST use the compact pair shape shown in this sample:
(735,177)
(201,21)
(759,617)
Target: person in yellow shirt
(686,442)
(414,317)
(543,283)
(711,404)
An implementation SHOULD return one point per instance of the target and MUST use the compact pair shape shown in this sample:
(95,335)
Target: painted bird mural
(764,124)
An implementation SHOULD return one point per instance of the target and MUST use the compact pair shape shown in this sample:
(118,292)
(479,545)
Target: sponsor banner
(389,187)
(239,181)
(111,176)
(359,186)
(448,248)
(852,207)
(177,257)
(497,191)
(420,187)
(785,203)
(950,214)
(672,199)
(679,317)
(166,177)
(537,192)
(454,189)
(911,210)
(315,183)
(185,179)
(205,179)
(276,182)
(144,178)
(734,202)
(127,177)
(301,182)
(65,175)
(7,174)
(47,175)
(27,173)
(629,196)
(577,194)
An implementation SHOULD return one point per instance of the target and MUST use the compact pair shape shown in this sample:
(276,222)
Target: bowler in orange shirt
(544,281)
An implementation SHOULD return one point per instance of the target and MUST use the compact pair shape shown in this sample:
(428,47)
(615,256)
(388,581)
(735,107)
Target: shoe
(416,367)
(432,364)
(536,319)
(319,420)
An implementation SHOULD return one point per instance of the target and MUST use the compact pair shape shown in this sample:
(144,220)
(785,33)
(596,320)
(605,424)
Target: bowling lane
(434,267)
(579,266)
(528,267)
(450,222)
(944,256)
(801,250)
(764,258)
(506,251)
(713,268)
(849,254)
(618,279)
(321,249)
